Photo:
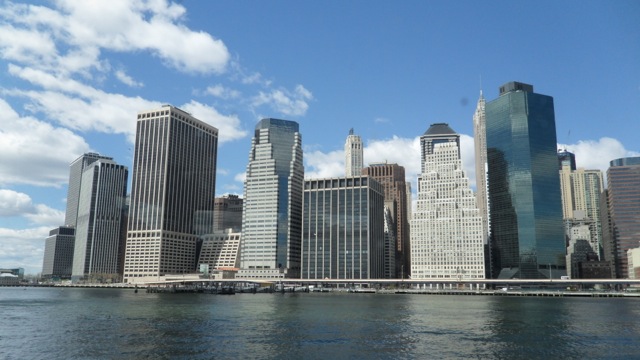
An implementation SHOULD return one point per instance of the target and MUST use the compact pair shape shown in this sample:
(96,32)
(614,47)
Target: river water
(72,323)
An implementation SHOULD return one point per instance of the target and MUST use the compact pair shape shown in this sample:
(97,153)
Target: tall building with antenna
(353,153)
(480,143)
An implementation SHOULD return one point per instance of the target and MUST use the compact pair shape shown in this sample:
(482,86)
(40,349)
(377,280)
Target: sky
(74,74)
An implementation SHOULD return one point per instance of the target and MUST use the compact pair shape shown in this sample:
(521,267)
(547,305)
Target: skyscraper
(174,176)
(580,190)
(101,211)
(392,178)
(58,253)
(353,154)
(227,213)
(480,144)
(343,229)
(527,236)
(446,229)
(272,213)
(75,180)
(623,182)
(566,158)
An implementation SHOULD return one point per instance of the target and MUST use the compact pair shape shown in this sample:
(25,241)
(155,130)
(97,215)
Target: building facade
(353,152)
(272,211)
(480,146)
(101,218)
(580,190)
(174,176)
(76,169)
(393,181)
(527,237)
(623,201)
(221,250)
(446,229)
(343,229)
(58,253)
(227,213)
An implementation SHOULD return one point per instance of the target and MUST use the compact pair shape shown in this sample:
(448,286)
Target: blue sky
(75,73)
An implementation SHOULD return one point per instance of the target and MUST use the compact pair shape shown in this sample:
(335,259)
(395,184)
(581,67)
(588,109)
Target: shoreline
(509,293)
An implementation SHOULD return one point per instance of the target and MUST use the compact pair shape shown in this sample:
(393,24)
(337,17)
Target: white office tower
(272,212)
(480,144)
(353,154)
(220,250)
(100,222)
(446,229)
(174,177)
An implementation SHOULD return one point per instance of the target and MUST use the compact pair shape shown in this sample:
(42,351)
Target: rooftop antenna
(351,131)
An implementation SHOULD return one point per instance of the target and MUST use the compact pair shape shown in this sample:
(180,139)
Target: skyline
(76,74)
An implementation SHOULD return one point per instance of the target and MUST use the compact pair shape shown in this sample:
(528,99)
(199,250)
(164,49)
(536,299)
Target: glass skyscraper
(101,222)
(343,229)
(272,212)
(527,235)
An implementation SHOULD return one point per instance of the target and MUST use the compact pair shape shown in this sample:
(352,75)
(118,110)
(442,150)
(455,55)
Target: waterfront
(65,323)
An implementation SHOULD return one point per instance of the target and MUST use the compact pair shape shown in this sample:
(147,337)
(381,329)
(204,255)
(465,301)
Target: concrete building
(580,190)
(527,236)
(343,229)
(633,263)
(272,212)
(353,153)
(480,145)
(58,253)
(393,181)
(174,176)
(446,229)
(623,205)
(101,218)
(221,250)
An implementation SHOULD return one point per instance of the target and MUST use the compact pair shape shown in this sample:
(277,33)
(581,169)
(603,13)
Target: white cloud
(241,177)
(83,28)
(127,80)
(222,92)
(44,215)
(381,120)
(320,165)
(596,154)
(13,204)
(79,106)
(285,102)
(44,149)
(229,126)
(23,248)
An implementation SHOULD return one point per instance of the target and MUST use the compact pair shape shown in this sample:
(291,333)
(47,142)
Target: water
(54,323)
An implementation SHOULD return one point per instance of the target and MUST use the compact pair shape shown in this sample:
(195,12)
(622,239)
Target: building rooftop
(440,129)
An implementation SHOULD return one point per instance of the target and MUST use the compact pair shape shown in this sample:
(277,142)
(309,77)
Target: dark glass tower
(566,157)
(527,239)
